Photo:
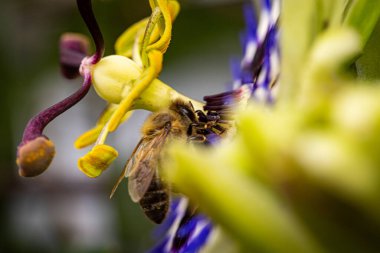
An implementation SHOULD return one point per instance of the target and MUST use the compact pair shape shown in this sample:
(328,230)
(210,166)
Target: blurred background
(63,210)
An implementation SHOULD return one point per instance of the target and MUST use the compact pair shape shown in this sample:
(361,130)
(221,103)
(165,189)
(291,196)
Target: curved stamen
(37,124)
(85,9)
(36,151)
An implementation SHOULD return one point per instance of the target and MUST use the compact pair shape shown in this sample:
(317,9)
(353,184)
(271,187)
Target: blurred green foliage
(302,175)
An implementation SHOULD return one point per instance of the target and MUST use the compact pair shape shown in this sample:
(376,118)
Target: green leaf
(368,65)
(298,30)
(363,16)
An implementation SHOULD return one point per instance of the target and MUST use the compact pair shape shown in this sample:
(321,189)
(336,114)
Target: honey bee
(145,185)
(180,121)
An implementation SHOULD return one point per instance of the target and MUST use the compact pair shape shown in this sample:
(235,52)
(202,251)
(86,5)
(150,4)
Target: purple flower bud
(73,48)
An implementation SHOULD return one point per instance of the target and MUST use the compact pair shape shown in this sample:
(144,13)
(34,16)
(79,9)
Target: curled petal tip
(86,11)
(35,156)
(97,160)
(73,48)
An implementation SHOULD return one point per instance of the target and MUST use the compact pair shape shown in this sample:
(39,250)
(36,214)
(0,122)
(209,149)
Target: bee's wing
(131,161)
(141,174)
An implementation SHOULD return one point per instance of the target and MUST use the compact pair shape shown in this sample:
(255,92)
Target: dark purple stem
(85,9)
(37,124)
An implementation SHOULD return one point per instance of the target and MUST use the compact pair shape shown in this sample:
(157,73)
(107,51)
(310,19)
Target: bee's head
(184,109)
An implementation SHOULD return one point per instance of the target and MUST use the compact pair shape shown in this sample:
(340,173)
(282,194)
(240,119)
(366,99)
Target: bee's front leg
(197,138)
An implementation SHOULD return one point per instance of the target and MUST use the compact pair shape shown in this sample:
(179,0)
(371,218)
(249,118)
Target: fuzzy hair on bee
(180,121)
(179,115)
(145,185)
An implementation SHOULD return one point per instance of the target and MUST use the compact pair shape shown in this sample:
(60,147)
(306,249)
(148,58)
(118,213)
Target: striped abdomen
(155,202)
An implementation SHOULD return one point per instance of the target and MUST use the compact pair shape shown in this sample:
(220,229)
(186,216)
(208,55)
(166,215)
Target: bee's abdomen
(155,202)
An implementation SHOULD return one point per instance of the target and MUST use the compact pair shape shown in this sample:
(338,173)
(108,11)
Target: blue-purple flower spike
(187,230)
(253,76)
(36,151)
(260,63)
